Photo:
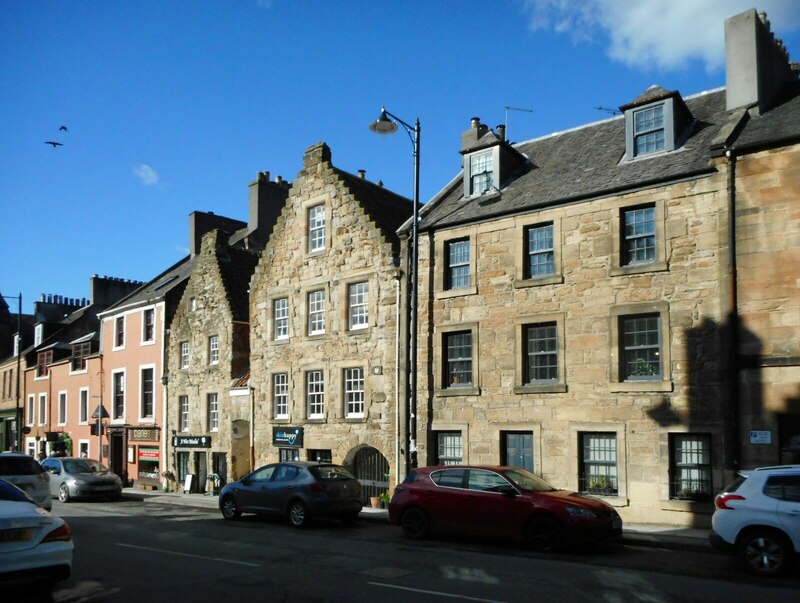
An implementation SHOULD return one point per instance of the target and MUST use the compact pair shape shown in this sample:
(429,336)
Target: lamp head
(383,125)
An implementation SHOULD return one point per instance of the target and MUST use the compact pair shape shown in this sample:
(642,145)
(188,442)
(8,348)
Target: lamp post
(387,123)
(18,416)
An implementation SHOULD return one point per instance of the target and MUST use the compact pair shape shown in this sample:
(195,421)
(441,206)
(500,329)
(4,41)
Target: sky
(174,106)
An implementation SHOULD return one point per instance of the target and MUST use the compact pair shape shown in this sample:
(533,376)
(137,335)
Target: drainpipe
(252,426)
(733,304)
(397,353)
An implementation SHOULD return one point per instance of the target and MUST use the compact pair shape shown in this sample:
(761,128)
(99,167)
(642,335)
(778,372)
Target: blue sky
(175,106)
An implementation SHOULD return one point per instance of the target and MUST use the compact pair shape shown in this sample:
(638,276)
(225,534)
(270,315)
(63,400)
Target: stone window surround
(520,387)
(145,341)
(440,333)
(440,290)
(63,401)
(321,417)
(304,209)
(142,368)
(498,429)
(280,370)
(664,384)
(463,427)
(717,471)
(307,310)
(216,416)
(272,329)
(617,268)
(520,251)
(184,358)
(183,425)
(356,417)
(345,285)
(213,350)
(575,429)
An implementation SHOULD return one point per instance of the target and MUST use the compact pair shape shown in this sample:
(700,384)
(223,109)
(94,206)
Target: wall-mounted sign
(287,436)
(143,434)
(148,454)
(761,437)
(191,441)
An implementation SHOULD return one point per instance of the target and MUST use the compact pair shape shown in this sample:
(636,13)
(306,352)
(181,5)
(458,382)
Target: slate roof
(155,289)
(781,124)
(387,209)
(583,163)
(236,267)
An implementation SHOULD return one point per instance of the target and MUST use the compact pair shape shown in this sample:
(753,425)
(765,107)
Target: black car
(299,490)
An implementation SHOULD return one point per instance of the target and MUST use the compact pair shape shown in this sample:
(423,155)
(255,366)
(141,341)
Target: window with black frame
(598,463)
(690,466)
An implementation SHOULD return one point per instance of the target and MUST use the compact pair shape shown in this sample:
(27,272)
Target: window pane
(316,228)
(542,353)
(449,447)
(315,394)
(358,310)
(459,358)
(541,259)
(691,466)
(281,318)
(213,412)
(354,392)
(316,312)
(280,394)
(458,264)
(640,235)
(481,178)
(599,463)
(641,342)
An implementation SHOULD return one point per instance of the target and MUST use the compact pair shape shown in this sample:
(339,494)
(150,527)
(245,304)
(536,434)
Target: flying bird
(55,144)
(63,128)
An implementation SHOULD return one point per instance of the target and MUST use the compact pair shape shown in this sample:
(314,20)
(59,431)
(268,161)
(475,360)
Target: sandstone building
(324,316)
(616,307)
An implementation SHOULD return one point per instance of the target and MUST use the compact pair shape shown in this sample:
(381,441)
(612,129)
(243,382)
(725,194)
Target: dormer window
(656,122)
(648,126)
(481,172)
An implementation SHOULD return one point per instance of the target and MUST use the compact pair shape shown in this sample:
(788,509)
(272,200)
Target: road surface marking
(147,548)
(434,592)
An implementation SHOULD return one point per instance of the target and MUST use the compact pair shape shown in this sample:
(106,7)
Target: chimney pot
(362,174)
(278,179)
(475,122)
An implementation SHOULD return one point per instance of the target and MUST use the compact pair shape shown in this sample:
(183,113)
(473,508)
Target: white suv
(758,517)
(25,473)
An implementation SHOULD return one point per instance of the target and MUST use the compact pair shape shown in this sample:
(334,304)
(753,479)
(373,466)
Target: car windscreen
(324,472)
(19,465)
(83,466)
(528,481)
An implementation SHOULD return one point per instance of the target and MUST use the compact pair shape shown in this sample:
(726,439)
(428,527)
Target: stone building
(579,301)
(324,316)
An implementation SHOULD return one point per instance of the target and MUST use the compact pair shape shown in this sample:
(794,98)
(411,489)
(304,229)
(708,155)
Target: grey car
(81,478)
(25,473)
(299,490)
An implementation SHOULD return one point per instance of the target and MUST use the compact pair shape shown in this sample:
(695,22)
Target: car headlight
(76,482)
(580,512)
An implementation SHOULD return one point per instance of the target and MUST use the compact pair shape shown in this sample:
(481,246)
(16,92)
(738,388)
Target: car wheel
(229,508)
(415,524)
(63,493)
(765,552)
(544,533)
(298,514)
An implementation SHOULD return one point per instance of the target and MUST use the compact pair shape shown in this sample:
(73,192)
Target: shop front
(144,456)
(191,462)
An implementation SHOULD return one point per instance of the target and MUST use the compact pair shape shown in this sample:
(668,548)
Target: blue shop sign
(291,437)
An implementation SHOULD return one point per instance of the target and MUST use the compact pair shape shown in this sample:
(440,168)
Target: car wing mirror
(507,491)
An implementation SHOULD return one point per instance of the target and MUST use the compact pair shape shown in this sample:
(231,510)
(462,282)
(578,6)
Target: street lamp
(18,417)
(387,123)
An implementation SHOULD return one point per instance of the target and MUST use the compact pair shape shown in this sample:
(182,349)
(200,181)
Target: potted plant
(167,477)
(384,498)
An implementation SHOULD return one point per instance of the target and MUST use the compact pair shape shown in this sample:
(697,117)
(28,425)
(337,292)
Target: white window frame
(280,395)
(83,406)
(184,351)
(316,228)
(456,444)
(212,403)
(315,394)
(42,409)
(85,445)
(145,313)
(119,320)
(31,418)
(280,318)
(213,349)
(183,409)
(481,172)
(316,312)
(142,369)
(63,401)
(358,305)
(354,393)
(119,418)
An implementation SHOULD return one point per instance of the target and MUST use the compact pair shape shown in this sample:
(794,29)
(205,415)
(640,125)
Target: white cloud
(146,174)
(655,33)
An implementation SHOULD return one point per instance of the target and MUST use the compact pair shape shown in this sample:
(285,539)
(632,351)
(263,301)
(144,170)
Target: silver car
(72,477)
(25,473)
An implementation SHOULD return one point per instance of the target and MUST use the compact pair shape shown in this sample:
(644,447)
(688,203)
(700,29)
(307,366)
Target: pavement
(652,535)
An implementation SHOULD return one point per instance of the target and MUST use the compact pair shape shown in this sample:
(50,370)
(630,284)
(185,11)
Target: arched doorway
(371,469)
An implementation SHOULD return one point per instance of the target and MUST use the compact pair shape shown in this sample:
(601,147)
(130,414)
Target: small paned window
(280,310)
(147,394)
(213,411)
(458,359)
(118,393)
(541,353)
(30,410)
(183,401)
(149,325)
(80,351)
(458,264)
(449,448)
(354,392)
(640,338)
(540,253)
(690,466)
(316,228)
(83,406)
(481,173)
(598,464)
(213,349)
(357,310)
(315,394)
(648,130)
(43,361)
(119,332)
(184,354)
(280,395)
(316,312)
(43,409)
(640,236)
(62,408)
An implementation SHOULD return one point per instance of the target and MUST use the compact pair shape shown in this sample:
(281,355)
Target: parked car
(72,477)
(299,490)
(35,546)
(28,475)
(758,518)
(499,501)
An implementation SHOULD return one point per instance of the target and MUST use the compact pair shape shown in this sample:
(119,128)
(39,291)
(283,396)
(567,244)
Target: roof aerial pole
(507,108)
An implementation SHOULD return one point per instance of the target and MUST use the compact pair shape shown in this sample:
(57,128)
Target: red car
(499,501)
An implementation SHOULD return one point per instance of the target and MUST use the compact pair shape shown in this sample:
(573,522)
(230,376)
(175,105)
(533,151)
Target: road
(152,552)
